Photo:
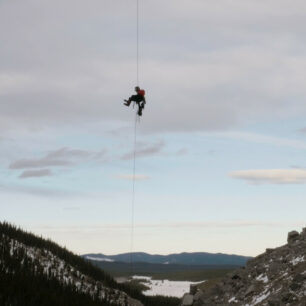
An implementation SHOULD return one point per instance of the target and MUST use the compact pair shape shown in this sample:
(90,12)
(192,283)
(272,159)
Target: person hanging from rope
(139,99)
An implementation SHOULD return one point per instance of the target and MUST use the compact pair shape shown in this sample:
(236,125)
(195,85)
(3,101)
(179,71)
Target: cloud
(271,176)
(175,225)
(138,177)
(298,167)
(63,157)
(58,158)
(12,82)
(302,131)
(181,152)
(263,139)
(41,191)
(100,155)
(38,163)
(145,151)
(35,173)
(67,153)
(240,62)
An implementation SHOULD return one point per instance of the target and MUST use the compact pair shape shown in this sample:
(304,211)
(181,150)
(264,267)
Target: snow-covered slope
(49,264)
(34,271)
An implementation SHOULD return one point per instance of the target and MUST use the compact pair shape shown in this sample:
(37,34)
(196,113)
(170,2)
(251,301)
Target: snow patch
(233,300)
(99,258)
(260,298)
(166,287)
(262,278)
(297,260)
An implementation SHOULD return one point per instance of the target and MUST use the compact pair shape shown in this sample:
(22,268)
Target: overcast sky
(221,145)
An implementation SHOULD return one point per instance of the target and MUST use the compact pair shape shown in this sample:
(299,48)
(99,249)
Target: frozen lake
(165,287)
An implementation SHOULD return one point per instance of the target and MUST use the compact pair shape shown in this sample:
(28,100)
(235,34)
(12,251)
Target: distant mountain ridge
(172,271)
(198,258)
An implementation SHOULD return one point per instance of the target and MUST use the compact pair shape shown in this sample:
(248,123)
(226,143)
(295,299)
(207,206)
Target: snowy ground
(166,287)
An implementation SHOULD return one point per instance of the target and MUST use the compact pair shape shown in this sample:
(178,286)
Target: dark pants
(139,99)
(136,98)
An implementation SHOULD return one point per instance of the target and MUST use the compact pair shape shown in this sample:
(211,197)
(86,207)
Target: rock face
(187,300)
(275,278)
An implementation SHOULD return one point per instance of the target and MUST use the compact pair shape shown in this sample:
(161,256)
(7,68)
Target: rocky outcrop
(275,278)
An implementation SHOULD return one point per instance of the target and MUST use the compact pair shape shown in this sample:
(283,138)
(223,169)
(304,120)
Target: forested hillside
(38,272)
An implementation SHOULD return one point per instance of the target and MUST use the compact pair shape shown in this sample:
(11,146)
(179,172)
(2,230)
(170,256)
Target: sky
(220,160)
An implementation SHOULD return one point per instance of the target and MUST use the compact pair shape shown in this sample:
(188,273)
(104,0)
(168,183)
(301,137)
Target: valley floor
(161,287)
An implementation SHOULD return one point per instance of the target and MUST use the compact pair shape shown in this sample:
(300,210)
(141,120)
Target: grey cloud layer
(303,131)
(214,66)
(144,150)
(68,157)
(35,173)
(38,163)
(57,158)
(63,157)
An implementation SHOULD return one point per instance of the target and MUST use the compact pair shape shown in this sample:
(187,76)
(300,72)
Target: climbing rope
(133,196)
(137,41)
(135,144)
